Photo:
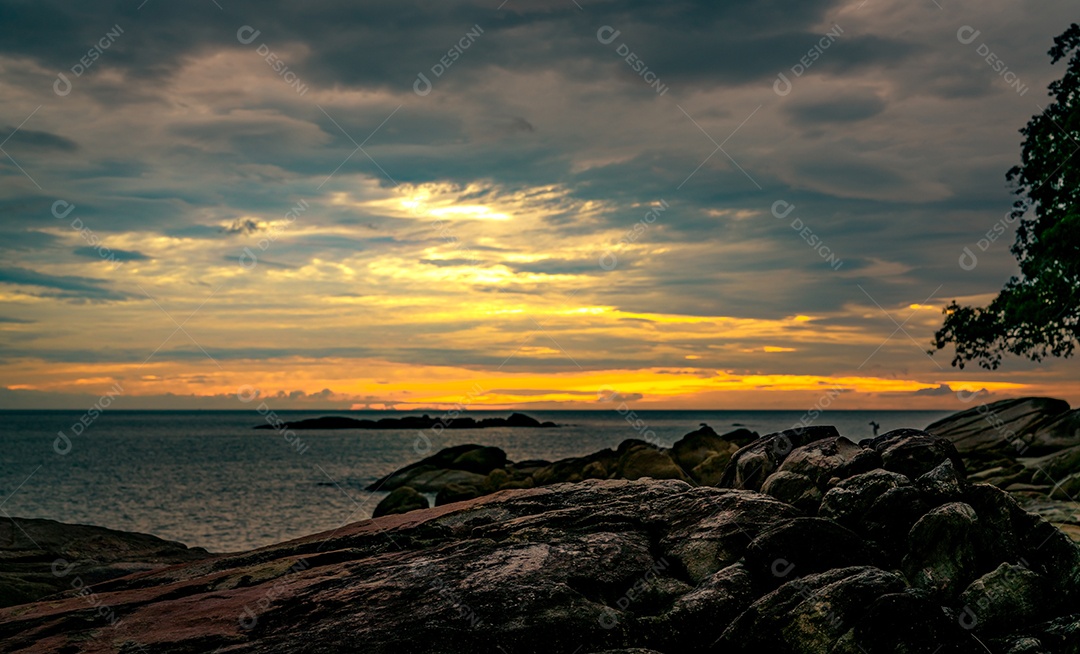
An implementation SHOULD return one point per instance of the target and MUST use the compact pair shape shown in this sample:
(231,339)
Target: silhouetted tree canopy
(1036,314)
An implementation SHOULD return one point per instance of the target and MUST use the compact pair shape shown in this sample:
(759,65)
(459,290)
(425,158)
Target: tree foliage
(1036,314)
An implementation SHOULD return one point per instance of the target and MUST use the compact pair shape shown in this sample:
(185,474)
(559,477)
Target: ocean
(208,479)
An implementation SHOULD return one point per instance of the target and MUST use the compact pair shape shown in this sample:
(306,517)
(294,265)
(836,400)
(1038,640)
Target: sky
(414,205)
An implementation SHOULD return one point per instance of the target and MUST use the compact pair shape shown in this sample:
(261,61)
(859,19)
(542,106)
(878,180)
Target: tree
(1037,314)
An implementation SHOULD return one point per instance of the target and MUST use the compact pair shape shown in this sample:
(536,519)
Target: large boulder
(638,459)
(998,424)
(752,464)
(461,464)
(913,453)
(943,549)
(797,490)
(401,500)
(1009,597)
(802,546)
(1059,433)
(828,458)
(808,614)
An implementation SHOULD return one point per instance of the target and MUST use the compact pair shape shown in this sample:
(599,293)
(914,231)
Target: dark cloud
(67,286)
(107,254)
(17,140)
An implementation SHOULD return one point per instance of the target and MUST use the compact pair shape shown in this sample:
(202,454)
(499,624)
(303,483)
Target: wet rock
(942,550)
(711,471)
(942,484)
(850,499)
(910,622)
(808,614)
(638,460)
(1009,597)
(401,500)
(913,453)
(752,464)
(797,490)
(829,458)
(802,546)
(456,493)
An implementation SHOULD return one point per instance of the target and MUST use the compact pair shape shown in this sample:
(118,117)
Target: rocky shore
(804,541)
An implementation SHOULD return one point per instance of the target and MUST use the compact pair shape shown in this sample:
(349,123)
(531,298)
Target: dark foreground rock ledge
(905,556)
(44,557)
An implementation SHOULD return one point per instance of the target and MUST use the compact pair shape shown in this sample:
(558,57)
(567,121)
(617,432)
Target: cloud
(70,287)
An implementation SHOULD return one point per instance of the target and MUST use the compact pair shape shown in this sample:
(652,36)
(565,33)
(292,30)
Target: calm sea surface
(208,479)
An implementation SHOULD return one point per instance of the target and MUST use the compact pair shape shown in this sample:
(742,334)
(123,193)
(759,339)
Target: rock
(424,422)
(942,484)
(914,453)
(710,471)
(1067,488)
(732,519)
(480,460)
(797,490)
(824,459)
(890,518)
(434,480)
(1060,433)
(453,493)
(592,566)
(1010,534)
(693,448)
(39,558)
(430,474)
(401,500)
(1052,467)
(910,622)
(808,614)
(942,549)
(998,424)
(849,501)
(598,465)
(802,546)
(752,464)
(1065,516)
(638,460)
(717,600)
(1009,597)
